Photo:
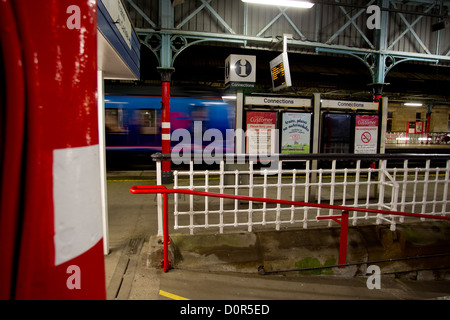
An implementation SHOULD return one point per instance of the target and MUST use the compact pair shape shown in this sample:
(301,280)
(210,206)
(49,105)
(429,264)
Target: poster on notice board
(261,132)
(366,134)
(296,132)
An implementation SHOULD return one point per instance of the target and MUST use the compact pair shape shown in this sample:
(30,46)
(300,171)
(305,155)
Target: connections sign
(341,104)
(277,101)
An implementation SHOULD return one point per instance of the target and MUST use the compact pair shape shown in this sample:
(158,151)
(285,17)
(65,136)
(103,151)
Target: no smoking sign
(365,137)
(366,134)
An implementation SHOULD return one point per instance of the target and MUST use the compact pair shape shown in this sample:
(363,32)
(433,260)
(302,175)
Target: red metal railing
(341,219)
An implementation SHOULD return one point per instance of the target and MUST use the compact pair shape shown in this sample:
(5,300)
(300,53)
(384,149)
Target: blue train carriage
(133,124)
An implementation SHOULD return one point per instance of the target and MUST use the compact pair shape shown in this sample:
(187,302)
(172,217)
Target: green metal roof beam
(296,43)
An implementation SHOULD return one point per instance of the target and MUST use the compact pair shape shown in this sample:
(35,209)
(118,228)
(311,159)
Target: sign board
(277,101)
(119,15)
(261,134)
(280,73)
(366,134)
(296,132)
(411,127)
(340,104)
(240,71)
(419,126)
(414,127)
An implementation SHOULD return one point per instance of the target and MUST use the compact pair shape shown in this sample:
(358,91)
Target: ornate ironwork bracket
(175,45)
(378,63)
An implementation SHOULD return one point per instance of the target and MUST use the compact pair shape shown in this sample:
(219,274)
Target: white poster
(366,134)
(261,138)
(296,132)
(261,132)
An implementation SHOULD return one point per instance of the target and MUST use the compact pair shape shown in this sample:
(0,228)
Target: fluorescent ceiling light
(412,104)
(283,3)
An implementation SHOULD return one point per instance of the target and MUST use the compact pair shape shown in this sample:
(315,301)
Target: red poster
(261,132)
(366,134)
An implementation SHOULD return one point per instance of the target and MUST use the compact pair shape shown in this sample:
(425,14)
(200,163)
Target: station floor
(132,222)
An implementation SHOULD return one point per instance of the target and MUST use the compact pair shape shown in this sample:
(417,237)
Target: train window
(148,122)
(113,120)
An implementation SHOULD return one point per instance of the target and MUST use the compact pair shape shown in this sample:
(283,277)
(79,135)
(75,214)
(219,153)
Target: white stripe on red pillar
(76,189)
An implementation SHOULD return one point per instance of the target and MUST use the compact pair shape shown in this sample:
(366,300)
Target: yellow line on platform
(129,180)
(171,295)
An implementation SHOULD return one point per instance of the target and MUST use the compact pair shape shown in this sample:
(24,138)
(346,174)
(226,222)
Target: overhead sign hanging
(366,134)
(279,69)
(240,71)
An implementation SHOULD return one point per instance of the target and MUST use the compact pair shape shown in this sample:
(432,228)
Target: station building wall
(399,115)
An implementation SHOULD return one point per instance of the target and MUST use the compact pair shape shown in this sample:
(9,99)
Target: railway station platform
(212,266)
(135,76)
(417,148)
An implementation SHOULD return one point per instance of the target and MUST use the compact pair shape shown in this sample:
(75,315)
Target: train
(133,125)
(133,128)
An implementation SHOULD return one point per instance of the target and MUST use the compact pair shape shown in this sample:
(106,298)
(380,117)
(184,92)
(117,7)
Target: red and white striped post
(61,251)
(166,75)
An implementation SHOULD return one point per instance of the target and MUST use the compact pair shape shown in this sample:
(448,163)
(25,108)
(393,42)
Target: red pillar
(12,122)
(343,238)
(377,92)
(166,262)
(166,74)
(377,97)
(165,127)
(60,252)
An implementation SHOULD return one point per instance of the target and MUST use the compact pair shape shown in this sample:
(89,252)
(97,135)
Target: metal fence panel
(396,183)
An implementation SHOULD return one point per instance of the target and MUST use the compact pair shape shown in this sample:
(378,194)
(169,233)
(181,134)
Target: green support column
(379,59)
(166,21)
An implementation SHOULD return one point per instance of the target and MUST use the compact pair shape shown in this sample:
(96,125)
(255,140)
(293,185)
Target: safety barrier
(408,183)
(341,219)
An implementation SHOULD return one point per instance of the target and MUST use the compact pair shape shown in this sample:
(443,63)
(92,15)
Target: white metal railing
(396,183)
